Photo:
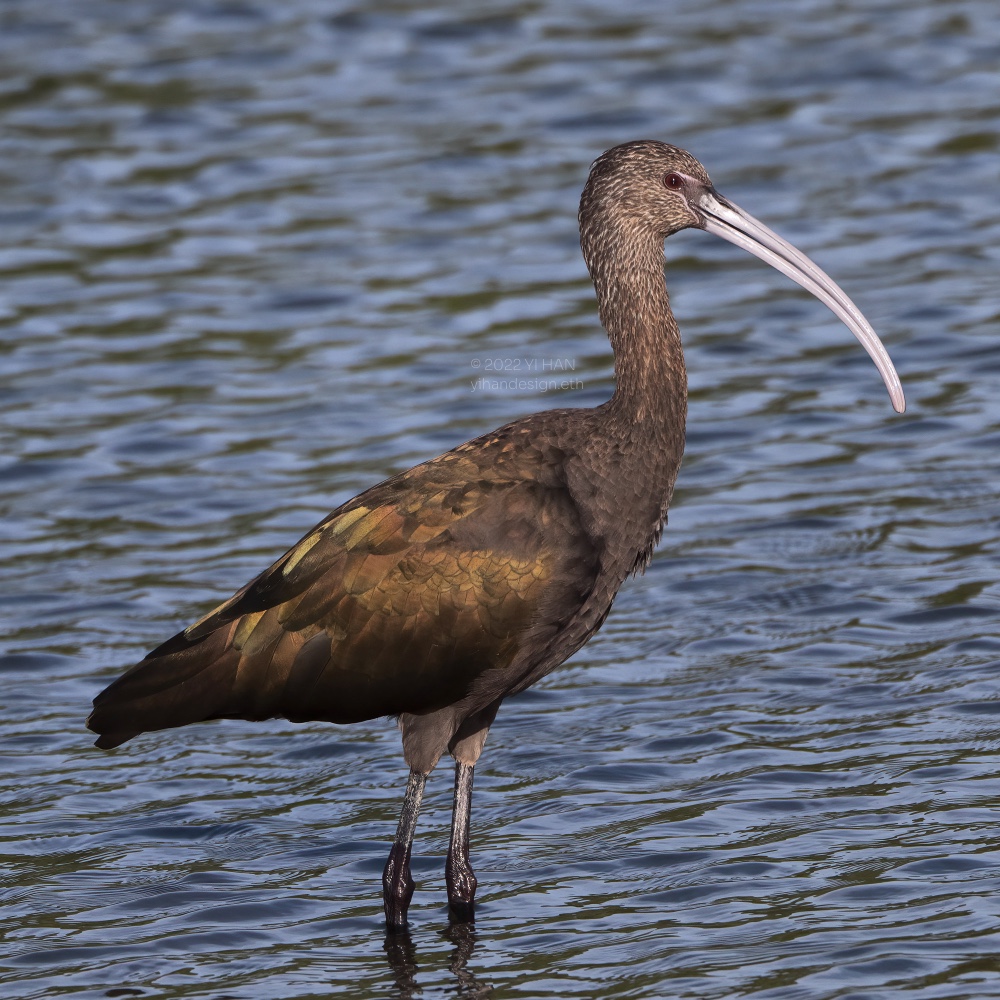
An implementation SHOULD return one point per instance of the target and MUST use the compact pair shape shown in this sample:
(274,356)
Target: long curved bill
(727,220)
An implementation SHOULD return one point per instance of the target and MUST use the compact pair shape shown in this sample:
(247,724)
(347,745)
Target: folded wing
(399,601)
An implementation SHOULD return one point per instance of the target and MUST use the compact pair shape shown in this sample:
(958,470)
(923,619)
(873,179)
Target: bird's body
(429,596)
(436,594)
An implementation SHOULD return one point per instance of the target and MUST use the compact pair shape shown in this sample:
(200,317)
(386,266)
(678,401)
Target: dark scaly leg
(397,883)
(459,876)
(466,746)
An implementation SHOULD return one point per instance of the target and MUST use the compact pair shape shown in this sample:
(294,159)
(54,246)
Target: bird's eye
(673,180)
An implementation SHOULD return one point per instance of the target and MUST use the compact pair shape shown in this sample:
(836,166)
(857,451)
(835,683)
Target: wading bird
(433,596)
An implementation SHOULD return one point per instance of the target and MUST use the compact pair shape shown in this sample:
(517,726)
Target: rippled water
(250,257)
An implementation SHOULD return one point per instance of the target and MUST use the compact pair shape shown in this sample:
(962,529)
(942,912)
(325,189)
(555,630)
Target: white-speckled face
(633,179)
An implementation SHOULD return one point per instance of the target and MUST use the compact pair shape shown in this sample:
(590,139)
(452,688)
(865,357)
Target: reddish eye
(673,180)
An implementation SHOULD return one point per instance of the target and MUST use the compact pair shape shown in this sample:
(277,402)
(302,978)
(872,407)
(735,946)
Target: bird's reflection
(463,937)
(402,958)
(401,954)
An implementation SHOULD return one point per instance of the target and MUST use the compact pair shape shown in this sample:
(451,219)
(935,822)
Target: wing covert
(397,601)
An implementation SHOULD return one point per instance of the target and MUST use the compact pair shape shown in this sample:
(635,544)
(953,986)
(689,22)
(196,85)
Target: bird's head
(644,187)
(641,192)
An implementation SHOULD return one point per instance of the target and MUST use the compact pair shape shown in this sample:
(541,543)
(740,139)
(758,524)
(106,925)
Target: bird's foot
(461,881)
(397,887)
(461,912)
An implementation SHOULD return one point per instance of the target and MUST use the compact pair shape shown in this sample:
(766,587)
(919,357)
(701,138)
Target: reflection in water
(463,937)
(401,955)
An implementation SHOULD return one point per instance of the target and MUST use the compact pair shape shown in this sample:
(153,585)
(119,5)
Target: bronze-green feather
(397,602)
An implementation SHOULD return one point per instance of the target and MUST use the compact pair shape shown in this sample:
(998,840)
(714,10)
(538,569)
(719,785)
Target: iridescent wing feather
(398,601)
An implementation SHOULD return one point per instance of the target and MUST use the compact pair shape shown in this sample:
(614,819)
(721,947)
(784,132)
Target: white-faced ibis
(433,596)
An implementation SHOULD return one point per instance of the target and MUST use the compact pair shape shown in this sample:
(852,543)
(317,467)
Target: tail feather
(190,685)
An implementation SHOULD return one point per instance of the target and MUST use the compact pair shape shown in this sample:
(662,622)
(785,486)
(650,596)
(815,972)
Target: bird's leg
(397,883)
(466,746)
(459,876)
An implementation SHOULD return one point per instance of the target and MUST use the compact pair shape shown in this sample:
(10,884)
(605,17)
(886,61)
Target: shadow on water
(401,954)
